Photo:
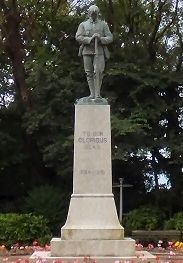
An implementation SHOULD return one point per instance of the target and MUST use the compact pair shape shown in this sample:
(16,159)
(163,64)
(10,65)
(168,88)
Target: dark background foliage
(41,76)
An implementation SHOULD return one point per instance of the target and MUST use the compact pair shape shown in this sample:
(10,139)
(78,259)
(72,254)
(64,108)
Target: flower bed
(20,250)
(162,246)
(166,252)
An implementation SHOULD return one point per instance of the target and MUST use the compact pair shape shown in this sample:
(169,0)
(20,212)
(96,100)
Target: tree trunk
(16,52)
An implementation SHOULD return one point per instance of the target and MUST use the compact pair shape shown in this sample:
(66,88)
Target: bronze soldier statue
(93,36)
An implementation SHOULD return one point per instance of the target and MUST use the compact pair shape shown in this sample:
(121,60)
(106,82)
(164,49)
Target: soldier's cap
(93,8)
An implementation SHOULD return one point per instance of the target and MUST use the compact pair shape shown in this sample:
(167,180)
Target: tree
(146,87)
(41,77)
(31,51)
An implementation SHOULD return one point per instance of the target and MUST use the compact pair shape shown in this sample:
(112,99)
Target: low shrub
(175,223)
(143,218)
(23,228)
(50,202)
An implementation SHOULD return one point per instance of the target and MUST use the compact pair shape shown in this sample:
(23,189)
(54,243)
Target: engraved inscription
(92,172)
(90,147)
(92,140)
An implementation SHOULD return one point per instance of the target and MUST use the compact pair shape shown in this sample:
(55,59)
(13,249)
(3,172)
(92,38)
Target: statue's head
(93,12)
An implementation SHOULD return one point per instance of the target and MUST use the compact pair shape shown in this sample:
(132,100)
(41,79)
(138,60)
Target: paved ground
(15,259)
(160,258)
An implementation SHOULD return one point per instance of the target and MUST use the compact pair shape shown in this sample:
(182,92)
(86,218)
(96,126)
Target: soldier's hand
(96,35)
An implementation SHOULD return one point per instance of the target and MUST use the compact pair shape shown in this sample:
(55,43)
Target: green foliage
(23,228)
(49,202)
(133,124)
(143,82)
(143,218)
(176,222)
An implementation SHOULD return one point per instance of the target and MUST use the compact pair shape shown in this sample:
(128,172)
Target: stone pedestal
(92,226)
(92,229)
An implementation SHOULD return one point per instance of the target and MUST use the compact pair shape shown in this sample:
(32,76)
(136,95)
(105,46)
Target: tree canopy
(41,76)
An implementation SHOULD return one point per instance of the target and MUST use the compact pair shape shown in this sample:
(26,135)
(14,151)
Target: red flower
(35,243)
(86,258)
(150,246)
(17,245)
(47,247)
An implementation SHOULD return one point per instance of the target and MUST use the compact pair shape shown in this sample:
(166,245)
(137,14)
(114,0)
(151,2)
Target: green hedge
(175,222)
(23,228)
(51,203)
(143,218)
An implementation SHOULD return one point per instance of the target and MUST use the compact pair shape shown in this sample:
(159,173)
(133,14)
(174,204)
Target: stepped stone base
(137,258)
(93,248)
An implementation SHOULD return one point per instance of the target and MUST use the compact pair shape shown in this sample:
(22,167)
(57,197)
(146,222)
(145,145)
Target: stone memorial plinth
(92,226)
(92,229)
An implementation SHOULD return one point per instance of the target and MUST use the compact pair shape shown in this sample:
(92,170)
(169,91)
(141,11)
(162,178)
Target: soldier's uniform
(84,35)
